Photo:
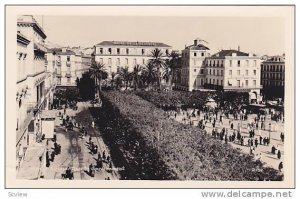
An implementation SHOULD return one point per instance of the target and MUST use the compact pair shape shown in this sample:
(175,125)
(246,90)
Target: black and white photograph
(149,95)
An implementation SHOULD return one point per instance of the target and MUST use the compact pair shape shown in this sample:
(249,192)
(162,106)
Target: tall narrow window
(143,51)
(195,54)
(230,72)
(109,50)
(101,50)
(230,63)
(239,63)
(68,58)
(254,72)
(127,51)
(118,51)
(254,82)
(238,72)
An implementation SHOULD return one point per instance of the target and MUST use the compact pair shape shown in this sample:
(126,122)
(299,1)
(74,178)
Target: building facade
(34,87)
(273,76)
(193,66)
(67,65)
(117,54)
(233,70)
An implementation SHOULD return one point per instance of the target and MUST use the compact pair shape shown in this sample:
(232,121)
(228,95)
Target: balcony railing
(68,75)
(242,87)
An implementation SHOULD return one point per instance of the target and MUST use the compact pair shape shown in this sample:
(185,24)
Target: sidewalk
(30,168)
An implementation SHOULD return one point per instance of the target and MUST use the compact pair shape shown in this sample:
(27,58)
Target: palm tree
(149,75)
(172,64)
(125,76)
(158,62)
(136,76)
(98,73)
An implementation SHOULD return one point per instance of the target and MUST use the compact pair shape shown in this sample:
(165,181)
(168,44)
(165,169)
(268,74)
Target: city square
(144,110)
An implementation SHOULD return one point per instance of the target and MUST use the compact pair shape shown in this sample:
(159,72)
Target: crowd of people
(252,137)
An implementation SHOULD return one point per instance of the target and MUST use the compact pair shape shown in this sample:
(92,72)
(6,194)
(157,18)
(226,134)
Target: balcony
(58,63)
(58,75)
(68,75)
(242,87)
(40,47)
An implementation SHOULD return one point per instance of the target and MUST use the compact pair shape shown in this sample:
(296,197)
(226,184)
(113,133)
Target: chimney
(64,49)
(195,42)
(238,48)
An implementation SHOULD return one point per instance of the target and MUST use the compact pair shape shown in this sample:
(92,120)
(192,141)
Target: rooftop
(224,53)
(128,43)
(197,47)
(60,51)
(30,20)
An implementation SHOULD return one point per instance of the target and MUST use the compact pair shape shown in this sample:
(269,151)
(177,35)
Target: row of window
(239,83)
(118,61)
(239,63)
(239,72)
(126,51)
(278,76)
(273,68)
(272,83)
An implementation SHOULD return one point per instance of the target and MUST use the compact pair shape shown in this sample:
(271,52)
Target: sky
(260,35)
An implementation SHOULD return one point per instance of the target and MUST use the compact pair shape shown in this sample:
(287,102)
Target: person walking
(93,124)
(278,154)
(280,166)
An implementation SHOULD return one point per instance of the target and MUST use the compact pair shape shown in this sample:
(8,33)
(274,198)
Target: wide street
(75,152)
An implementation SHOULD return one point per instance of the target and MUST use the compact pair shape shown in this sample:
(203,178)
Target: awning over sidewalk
(48,115)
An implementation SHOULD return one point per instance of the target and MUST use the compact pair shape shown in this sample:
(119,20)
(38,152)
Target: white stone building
(193,66)
(67,65)
(117,54)
(34,87)
(233,70)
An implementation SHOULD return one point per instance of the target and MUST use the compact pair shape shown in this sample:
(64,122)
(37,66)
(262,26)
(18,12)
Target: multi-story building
(67,65)
(117,54)
(193,66)
(233,70)
(33,88)
(272,77)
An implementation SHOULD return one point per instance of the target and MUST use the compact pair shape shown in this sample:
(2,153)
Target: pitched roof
(198,47)
(128,43)
(224,53)
(60,52)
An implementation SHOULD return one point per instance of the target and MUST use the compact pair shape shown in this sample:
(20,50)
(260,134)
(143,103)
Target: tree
(125,76)
(158,62)
(149,75)
(84,85)
(98,73)
(113,79)
(136,76)
(172,64)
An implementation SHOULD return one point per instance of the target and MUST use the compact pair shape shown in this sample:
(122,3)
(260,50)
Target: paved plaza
(265,151)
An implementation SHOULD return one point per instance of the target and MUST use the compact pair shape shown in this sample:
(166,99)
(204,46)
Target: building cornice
(22,39)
